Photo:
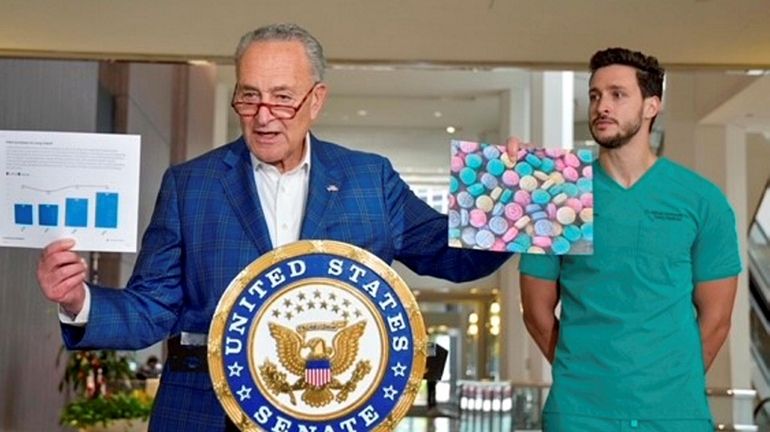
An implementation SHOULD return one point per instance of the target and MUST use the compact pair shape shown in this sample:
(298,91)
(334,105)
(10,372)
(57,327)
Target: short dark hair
(649,74)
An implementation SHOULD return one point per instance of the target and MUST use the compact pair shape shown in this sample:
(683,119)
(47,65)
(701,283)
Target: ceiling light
(450,129)
(755,72)
(362,113)
(437,114)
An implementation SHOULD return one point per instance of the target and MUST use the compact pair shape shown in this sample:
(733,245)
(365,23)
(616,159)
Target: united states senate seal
(317,336)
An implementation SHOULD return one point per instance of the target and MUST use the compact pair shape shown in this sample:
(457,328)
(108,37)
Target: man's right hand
(61,274)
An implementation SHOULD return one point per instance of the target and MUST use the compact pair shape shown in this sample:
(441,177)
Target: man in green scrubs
(644,316)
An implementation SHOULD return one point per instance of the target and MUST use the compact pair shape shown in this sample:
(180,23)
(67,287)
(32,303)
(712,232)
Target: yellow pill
(587,215)
(528,183)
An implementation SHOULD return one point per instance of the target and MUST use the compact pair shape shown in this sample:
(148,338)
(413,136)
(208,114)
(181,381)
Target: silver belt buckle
(193,339)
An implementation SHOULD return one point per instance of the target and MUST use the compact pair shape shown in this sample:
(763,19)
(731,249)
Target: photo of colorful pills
(540,203)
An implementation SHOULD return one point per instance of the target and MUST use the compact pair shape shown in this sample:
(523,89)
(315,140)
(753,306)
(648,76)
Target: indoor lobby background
(405,78)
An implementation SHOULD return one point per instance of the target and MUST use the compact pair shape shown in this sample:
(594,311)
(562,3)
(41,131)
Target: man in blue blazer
(217,213)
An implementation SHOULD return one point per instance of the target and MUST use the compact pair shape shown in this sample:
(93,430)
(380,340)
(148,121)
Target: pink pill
(554,153)
(499,246)
(452,201)
(570,174)
(457,163)
(571,160)
(558,164)
(478,218)
(510,234)
(551,210)
(588,171)
(513,212)
(541,241)
(575,204)
(587,199)
(522,197)
(521,154)
(510,178)
(468,146)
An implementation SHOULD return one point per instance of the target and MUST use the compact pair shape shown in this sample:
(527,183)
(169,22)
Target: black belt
(186,358)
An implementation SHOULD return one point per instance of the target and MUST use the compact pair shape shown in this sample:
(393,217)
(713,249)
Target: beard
(627,131)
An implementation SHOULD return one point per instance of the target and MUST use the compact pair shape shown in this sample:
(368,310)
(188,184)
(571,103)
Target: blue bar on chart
(23,214)
(106,210)
(76,212)
(48,214)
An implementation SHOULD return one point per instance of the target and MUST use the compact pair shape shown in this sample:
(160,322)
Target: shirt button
(634,423)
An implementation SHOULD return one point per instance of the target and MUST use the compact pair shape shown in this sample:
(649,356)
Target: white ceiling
(486,39)
(682,33)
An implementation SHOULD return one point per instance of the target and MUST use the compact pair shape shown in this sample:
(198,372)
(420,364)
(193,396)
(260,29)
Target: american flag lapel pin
(332,188)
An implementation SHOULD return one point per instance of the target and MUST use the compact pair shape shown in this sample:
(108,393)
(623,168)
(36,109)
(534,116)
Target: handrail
(731,392)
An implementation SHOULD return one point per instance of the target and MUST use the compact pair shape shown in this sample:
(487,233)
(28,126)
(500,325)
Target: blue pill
(476,189)
(585,184)
(540,196)
(469,236)
(495,167)
(588,231)
(560,245)
(454,184)
(454,233)
(465,217)
(547,165)
(533,208)
(465,200)
(498,209)
(515,247)
(473,160)
(454,219)
(489,181)
(543,227)
(572,233)
(506,196)
(556,189)
(571,190)
(498,225)
(485,239)
(468,175)
(539,215)
(491,152)
(585,155)
(523,168)
(524,240)
(533,160)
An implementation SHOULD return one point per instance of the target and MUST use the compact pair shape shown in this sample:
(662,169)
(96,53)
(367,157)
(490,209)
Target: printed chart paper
(69,185)
(540,203)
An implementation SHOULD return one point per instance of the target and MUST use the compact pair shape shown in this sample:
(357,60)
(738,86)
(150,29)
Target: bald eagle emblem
(316,364)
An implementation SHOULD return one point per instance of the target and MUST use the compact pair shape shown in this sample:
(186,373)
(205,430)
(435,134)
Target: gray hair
(286,32)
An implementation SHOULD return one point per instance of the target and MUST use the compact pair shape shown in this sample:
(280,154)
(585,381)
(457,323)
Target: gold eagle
(341,356)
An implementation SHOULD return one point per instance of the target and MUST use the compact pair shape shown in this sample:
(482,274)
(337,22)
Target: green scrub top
(629,343)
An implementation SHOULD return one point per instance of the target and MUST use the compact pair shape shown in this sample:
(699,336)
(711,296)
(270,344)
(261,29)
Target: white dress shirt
(282,197)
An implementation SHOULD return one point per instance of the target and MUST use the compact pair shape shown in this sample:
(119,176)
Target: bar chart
(56,185)
(77,212)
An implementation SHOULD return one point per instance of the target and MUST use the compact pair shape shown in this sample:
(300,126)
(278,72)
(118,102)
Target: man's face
(617,109)
(278,73)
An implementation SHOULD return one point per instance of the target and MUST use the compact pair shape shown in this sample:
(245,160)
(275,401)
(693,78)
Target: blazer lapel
(324,186)
(241,192)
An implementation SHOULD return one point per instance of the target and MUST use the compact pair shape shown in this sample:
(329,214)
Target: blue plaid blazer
(208,225)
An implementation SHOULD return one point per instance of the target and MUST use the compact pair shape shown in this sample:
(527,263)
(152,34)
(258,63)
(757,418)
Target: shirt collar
(258,164)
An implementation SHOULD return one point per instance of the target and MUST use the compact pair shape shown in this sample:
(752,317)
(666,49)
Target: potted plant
(99,384)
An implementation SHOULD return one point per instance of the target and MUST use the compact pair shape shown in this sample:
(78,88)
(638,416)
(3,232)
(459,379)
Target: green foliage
(99,383)
(102,409)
